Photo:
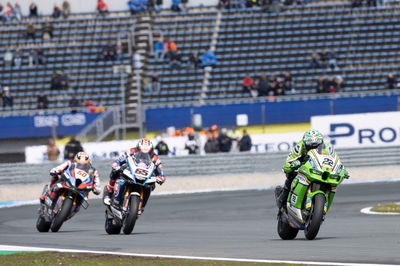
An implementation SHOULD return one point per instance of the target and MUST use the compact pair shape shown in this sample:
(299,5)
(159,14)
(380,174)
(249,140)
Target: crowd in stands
(324,60)
(268,85)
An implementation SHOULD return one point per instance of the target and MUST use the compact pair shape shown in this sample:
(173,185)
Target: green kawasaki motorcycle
(311,194)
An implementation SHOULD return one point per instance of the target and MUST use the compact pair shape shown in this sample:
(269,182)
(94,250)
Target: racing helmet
(312,139)
(82,158)
(144,145)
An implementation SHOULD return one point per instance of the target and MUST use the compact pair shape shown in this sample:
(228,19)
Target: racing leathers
(297,157)
(58,170)
(116,165)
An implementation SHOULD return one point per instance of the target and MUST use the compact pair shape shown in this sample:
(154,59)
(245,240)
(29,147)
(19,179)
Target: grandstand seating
(245,41)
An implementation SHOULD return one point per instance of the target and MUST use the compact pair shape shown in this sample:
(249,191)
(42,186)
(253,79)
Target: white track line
(23,248)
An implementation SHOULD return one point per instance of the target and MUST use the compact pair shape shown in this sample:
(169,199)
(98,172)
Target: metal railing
(213,164)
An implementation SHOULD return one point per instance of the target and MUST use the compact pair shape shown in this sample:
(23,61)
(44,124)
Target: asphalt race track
(227,224)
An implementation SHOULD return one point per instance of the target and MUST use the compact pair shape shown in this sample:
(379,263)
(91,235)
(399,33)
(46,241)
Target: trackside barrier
(212,164)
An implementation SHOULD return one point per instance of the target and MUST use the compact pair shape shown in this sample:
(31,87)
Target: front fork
(129,193)
(314,189)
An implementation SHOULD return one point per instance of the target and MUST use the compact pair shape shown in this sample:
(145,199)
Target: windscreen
(141,157)
(84,167)
(325,149)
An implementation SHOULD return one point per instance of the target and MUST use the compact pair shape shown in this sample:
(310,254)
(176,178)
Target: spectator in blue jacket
(224,142)
(176,5)
(137,6)
(208,59)
(245,142)
(159,49)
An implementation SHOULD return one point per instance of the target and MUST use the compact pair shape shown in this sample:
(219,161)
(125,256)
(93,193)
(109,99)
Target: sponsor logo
(66,120)
(45,121)
(73,120)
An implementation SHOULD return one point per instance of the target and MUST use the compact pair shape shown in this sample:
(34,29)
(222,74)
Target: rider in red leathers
(144,145)
(81,160)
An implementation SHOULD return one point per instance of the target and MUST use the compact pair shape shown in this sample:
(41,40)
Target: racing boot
(282,198)
(107,193)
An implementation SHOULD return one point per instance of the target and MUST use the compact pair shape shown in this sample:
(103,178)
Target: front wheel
(41,225)
(314,219)
(62,215)
(285,231)
(130,219)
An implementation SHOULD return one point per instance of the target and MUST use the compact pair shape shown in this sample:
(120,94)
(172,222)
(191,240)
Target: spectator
(17,58)
(332,60)
(321,85)
(137,6)
(159,4)
(147,84)
(176,5)
(66,9)
(36,57)
(245,142)
(323,59)
(194,60)
(33,10)
(56,12)
(248,85)
(72,148)
(331,85)
(356,3)
(159,49)
(7,98)
(52,150)
(211,145)
(208,59)
(223,4)
(151,6)
(1,12)
(161,147)
(118,50)
(155,82)
(279,87)
(30,31)
(63,80)
(8,58)
(288,82)
(314,64)
(9,12)
(372,3)
(109,52)
(47,30)
(262,84)
(176,61)
(184,5)
(42,101)
(73,104)
(340,82)
(391,81)
(191,144)
(170,49)
(102,8)
(224,142)
(17,11)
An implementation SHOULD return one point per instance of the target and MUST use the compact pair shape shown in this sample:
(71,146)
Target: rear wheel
(62,215)
(41,225)
(314,220)
(285,231)
(130,220)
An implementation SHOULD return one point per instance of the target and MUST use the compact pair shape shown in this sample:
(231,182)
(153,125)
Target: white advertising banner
(112,149)
(360,130)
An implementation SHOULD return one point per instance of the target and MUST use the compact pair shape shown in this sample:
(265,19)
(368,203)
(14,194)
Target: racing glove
(160,180)
(295,164)
(346,174)
(97,190)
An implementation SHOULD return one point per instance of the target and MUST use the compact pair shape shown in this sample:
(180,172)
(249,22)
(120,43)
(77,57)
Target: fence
(21,173)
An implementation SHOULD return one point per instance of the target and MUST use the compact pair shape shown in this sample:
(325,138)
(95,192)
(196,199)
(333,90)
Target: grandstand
(250,40)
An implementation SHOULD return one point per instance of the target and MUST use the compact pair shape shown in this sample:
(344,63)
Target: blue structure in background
(42,125)
(290,111)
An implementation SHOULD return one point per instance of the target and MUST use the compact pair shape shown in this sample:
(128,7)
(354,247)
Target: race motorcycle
(74,186)
(311,195)
(136,176)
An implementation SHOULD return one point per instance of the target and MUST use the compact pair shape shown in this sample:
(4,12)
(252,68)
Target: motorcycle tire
(41,225)
(130,220)
(285,231)
(314,220)
(62,215)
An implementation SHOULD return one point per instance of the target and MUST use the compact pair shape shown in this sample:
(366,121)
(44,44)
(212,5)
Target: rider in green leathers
(312,139)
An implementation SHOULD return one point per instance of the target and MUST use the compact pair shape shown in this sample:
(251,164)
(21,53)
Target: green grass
(76,259)
(387,207)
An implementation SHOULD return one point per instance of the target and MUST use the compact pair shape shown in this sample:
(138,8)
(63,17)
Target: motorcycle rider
(144,146)
(80,161)
(312,139)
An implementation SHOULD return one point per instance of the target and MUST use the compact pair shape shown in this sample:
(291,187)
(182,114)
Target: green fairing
(321,168)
